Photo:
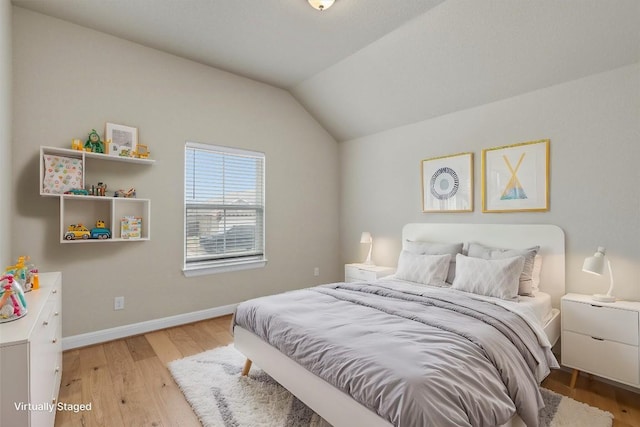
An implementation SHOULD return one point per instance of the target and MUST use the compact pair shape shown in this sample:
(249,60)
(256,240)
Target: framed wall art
(121,140)
(447,183)
(515,178)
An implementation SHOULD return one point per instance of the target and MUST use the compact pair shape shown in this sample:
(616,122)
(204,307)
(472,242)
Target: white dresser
(601,338)
(365,272)
(31,358)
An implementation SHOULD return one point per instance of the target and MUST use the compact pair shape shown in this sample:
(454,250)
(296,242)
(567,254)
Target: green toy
(93,143)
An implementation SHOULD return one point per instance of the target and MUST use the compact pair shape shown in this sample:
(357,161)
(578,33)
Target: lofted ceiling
(365,66)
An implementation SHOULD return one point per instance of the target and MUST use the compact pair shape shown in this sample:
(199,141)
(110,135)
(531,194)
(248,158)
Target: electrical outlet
(316,271)
(118,303)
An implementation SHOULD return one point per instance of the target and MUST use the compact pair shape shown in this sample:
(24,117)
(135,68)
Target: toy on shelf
(77,231)
(100,189)
(13,304)
(76,144)
(77,192)
(94,144)
(141,151)
(131,193)
(100,231)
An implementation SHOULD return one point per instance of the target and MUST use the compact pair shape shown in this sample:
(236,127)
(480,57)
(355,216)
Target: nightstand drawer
(355,274)
(601,357)
(365,272)
(598,321)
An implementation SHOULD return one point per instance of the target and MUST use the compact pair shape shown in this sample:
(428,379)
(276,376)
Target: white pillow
(423,269)
(433,248)
(526,284)
(498,278)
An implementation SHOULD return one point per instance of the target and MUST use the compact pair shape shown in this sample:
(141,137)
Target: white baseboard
(118,332)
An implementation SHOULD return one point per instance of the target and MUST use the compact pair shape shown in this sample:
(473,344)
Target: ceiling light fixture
(321,4)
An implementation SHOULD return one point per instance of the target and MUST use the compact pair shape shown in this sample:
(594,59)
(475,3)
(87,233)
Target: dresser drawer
(601,357)
(603,322)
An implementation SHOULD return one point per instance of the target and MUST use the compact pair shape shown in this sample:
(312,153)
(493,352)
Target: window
(224,209)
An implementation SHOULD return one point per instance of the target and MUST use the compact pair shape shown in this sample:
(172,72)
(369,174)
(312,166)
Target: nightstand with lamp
(367,271)
(600,334)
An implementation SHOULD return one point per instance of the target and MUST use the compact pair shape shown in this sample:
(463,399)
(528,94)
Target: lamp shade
(366,237)
(321,4)
(595,264)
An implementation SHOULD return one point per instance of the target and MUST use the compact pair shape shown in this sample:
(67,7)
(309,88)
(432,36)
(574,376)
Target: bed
(339,408)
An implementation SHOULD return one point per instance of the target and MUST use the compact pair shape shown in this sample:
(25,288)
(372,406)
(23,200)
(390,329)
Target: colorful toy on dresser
(26,275)
(13,304)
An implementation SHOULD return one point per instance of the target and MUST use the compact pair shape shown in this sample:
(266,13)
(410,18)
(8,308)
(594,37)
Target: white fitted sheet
(540,303)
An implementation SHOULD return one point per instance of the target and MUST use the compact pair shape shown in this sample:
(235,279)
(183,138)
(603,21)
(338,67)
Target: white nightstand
(365,273)
(601,338)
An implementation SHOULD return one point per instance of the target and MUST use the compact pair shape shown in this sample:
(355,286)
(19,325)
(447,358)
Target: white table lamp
(595,265)
(366,238)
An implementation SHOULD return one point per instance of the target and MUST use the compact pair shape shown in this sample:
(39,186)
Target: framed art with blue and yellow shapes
(515,178)
(447,183)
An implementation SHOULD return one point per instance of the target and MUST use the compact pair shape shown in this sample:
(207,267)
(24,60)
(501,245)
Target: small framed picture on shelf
(121,141)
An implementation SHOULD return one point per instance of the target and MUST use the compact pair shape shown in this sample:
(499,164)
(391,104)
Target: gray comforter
(424,357)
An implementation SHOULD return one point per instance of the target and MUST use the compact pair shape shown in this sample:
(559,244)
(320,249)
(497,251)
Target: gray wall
(595,170)
(69,79)
(5,130)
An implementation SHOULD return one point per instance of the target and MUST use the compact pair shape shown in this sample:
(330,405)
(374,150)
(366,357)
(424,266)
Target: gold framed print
(515,178)
(447,183)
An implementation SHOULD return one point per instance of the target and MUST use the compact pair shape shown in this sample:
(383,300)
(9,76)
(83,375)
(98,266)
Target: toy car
(77,231)
(77,192)
(100,233)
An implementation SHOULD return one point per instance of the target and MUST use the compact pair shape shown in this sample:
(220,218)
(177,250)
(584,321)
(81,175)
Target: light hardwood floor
(127,382)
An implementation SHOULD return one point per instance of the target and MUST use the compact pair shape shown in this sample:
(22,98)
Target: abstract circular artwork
(444,183)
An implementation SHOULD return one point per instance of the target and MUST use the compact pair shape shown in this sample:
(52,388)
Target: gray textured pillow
(423,269)
(491,277)
(535,274)
(477,250)
(431,248)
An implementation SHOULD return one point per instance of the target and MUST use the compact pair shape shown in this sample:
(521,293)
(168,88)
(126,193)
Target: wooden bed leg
(247,366)
(574,378)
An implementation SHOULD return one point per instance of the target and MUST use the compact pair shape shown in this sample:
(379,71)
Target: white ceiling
(280,42)
(365,66)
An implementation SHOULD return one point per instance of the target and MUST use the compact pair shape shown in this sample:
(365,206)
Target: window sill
(222,267)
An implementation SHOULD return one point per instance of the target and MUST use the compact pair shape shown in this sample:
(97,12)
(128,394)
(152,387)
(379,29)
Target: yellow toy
(141,151)
(26,275)
(76,144)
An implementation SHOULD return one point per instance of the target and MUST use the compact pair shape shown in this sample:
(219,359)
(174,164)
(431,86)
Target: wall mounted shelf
(86,210)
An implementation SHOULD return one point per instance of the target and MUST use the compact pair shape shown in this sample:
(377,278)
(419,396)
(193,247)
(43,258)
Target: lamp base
(603,298)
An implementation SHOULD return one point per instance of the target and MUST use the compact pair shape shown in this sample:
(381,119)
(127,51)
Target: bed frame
(337,407)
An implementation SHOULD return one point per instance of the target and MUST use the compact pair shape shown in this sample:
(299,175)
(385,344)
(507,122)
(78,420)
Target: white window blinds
(224,206)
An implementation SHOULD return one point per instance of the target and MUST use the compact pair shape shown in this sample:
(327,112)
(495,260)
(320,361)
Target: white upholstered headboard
(550,238)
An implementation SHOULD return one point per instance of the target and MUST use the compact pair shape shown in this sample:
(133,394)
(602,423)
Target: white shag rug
(220,397)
